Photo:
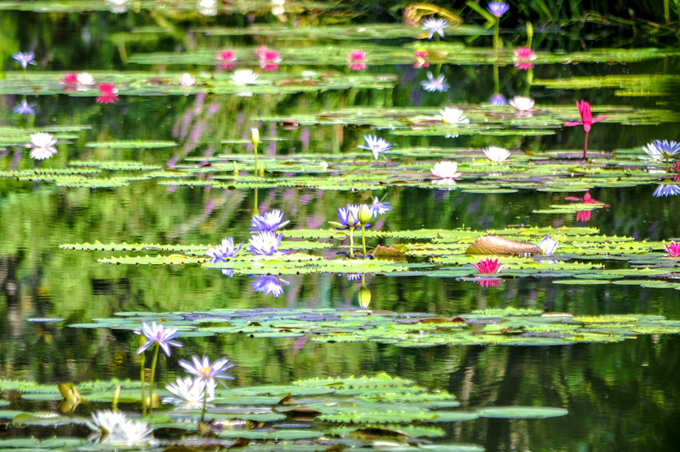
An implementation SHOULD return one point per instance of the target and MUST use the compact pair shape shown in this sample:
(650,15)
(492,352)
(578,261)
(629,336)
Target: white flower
(83,78)
(42,145)
(118,6)
(324,165)
(453,116)
(190,393)
(115,428)
(522,104)
(278,7)
(445,170)
(653,152)
(435,26)
(376,145)
(186,79)
(496,154)
(435,84)
(244,77)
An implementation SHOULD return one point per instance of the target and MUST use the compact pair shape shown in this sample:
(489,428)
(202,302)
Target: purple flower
(376,145)
(353,276)
(667,148)
(25,58)
(162,336)
(498,100)
(379,208)
(435,84)
(265,243)
(498,8)
(24,109)
(270,221)
(222,253)
(269,285)
(206,372)
(349,216)
(667,190)
(548,245)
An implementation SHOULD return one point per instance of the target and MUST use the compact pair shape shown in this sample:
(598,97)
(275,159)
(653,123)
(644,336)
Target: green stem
(255,211)
(153,375)
(496,80)
(496,37)
(356,169)
(667,171)
(141,378)
(439,69)
(351,242)
(363,238)
(205,400)
(255,150)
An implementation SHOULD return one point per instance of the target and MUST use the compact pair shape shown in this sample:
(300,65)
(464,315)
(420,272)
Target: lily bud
(365,214)
(364,297)
(255,136)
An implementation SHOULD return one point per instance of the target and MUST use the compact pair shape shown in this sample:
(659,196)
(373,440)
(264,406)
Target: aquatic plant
(435,27)
(379,208)
(586,121)
(485,282)
(673,249)
(496,154)
(42,145)
(224,251)
(667,190)
(676,169)
(364,296)
(265,243)
(255,140)
(270,221)
(497,8)
(583,216)
(365,214)
(187,79)
(244,77)
(163,338)
(349,219)
(446,172)
(376,145)
(421,59)
(227,59)
(522,104)
(23,108)
(357,60)
(269,59)
(188,393)
(523,57)
(662,150)
(269,284)
(488,266)
(435,84)
(548,245)
(453,116)
(114,428)
(206,372)
(108,93)
(84,79)
(498,100)
(24,58)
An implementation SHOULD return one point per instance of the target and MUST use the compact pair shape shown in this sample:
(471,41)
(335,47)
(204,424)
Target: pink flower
(673,249)
(524,57)
(421,59)
(69,79)
(676,168)
(269,59)
(187,79)
(488,282)
(357,60)
(583,216)
(586,116)
(488,266)
(109,93)
(227,57)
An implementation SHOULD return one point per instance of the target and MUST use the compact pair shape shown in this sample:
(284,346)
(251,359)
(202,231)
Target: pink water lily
(586,121)
(673,249)
(356,60)
(488,266)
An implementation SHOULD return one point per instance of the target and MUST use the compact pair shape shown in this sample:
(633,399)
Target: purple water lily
(224,251)
(25,58)
(270,221)
(159,335)
(265,243)
(376,145)
(205,372)
(349,216)
(24,108)
(435,84)
(498,8)
(379,208)
(269,285)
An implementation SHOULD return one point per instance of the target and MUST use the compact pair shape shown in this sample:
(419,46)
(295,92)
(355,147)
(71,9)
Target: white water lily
(85,79)
(496,154)
(453,116)
(189,394)
(187,79)
(244,77)
(42,145)
(445,170)
(207,7)
(522,104)
(115,428)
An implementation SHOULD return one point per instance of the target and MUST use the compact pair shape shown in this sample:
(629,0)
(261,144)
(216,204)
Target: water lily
(380,208)
(115,428)
(207,7)
(348,216)
(187,79)
(278,7)
(435,84)
(108,93)
(84,79)
(435,26)
(584,215)
(496,154)
(586,121)
(488,266)
(485,282)
(24,58)
(376,145)
(265,243)
(157,334)
(42,145)
(453,116)
(204,371)
(118,6)
(23,108)
(662,150)
(225,251)
(421,58)
(497,8)
(446,170)
(548,245)
(673,249)
(676,169)
(189,394)
(498,100)
(269,59)
(357,60)
(227,58)
(269,285)
(524,57)
(244,77)
(270,221)
(667,190)
(522,104)
(69,79)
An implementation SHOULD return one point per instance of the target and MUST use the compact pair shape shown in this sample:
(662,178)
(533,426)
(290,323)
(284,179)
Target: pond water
(158,163)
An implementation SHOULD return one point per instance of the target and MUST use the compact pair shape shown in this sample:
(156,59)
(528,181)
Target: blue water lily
(224,251)
(157,334)
(265,243)
(270,221)
(25,58)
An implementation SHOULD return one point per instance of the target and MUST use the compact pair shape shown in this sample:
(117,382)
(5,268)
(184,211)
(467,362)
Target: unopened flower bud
(364,214)
(255,136)
(364,297)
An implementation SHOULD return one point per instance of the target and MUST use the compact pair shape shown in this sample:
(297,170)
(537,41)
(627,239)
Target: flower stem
(356,169)
(585,147)
(153,375)
(351,242)
(495,37)
(205,401)
(363,238)
(667,171)
(255,151)
(141,378)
